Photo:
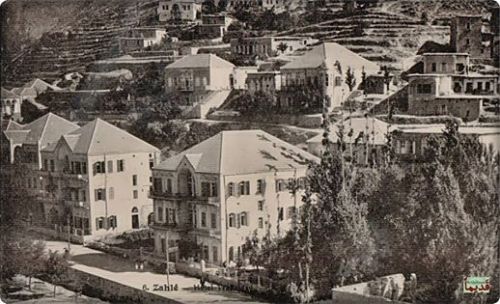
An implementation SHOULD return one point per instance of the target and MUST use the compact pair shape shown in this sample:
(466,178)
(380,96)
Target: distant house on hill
(323,68)
(140,38)
(11,105)
(186,10)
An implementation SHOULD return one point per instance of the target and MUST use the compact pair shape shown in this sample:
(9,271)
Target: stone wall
(342,297)
(115,292)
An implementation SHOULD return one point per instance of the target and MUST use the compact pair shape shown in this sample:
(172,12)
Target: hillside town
(274,151)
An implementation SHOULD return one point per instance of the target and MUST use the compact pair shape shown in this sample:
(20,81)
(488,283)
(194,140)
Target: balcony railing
(185,197)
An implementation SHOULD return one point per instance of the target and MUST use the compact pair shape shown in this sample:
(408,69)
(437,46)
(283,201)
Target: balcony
(205,232)
(213,201)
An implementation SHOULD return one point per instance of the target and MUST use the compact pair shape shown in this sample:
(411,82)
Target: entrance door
(135,221)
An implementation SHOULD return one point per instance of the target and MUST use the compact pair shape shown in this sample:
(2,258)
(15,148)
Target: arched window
(243,219)
(135,210)
(241,188)
(231,220)
(231,253)
(230,189)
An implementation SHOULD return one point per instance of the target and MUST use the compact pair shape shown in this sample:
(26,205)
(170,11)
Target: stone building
(446,63)
(186,10)
(225,189)
(213,26)
(323,68)
(467,36)
(266,81)
(194,76)
(11,105)
(268,46)
(97,179)
(140,38)
(462,96)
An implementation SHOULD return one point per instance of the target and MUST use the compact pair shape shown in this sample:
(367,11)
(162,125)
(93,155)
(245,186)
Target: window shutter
(238,224)
(96,194)
(94,168)
(116,221)
(97,223)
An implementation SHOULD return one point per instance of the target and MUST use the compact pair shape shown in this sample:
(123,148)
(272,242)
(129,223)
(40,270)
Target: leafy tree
(258,103)
(282,47)
(33,253)
(56,268)
(30,112)
(222,5)
(208,7)
(350,79)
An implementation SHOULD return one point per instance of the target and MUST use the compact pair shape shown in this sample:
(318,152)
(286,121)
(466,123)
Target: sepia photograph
(250,151)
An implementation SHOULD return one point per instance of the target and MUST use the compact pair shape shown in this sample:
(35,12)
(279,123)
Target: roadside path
(123,271)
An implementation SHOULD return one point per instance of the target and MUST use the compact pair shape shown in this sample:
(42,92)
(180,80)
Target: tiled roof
(34,88)
(200,61)
(327,54)
(240,152)
(6,94)
(44,130)
(99,137)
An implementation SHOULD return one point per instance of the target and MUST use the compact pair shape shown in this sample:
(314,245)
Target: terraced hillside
(386,38)
(90,37)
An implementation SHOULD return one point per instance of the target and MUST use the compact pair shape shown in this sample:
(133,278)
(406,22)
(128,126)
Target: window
(230,189)
(100,194)
(290,212)
(213,189)
(171,216)
(111,193)
(120,165)
(84,168)
(203,219)
(112,221)
(136,194)
(169,185)
(110,166)
(160,214)
(280,185)
(467,41)
(83,196)
(231,220)
(261,223)
(157,185)
(280,214)
(260,186)
(487,86)
(326,80)
(100,223)
(52,165)
(215,254)
(424,88)
(45,165)
(444,67)
(302,182)
(213,221)
(243,219)
(261,205)
(134,180)
(244,188)
(468,25)
(99,167)
(205,189)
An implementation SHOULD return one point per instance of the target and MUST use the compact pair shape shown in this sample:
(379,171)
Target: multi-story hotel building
(225,189)
(97,179)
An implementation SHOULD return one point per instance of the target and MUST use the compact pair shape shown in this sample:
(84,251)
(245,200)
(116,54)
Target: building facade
(96,180)
(223,190)
(140,38)
(466,36)
(11,105)
(268,46)
(194,76)
(462,96)
(323,68)
(267,81)
(179,10)
(446,63)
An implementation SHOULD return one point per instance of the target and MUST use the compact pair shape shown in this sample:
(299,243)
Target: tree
(282,47)
(258,103)
(33,258)
(350,79)
(208,7)
(56,268)
(222,5)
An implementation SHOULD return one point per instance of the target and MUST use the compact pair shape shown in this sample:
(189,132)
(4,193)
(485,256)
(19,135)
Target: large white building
(97,178)
(186,10)
(224,189)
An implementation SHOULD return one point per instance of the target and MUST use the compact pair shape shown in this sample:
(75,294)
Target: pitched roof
(35,87)
(99,137)
(6,94)
(44,130)
(240,152)
(200,61)
(328,53)
(357,127)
